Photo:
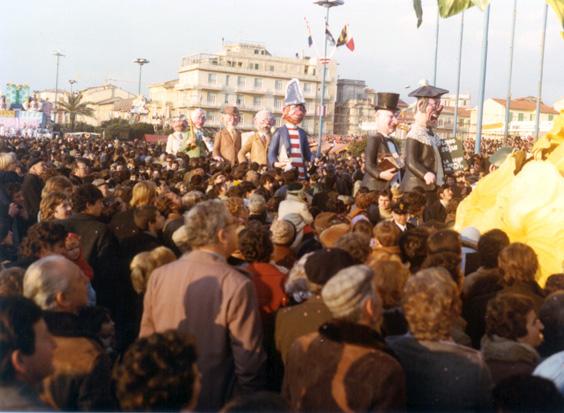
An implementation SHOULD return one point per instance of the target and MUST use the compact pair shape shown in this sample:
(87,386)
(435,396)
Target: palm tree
(73,106)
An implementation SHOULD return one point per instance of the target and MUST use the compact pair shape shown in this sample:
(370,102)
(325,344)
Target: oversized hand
(429,178)
(388,174)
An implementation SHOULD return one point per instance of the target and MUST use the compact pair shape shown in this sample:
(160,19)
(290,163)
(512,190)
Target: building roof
(526,104)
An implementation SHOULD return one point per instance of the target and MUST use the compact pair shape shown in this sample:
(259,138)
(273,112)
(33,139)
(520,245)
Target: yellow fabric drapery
(529,205)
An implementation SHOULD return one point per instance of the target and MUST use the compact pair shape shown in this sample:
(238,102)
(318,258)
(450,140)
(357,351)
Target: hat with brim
(428,91)
(331,235)
(231,110)
(387,101)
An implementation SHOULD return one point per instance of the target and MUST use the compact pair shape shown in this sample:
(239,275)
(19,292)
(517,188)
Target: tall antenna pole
(461,35)
(539,94)
(58,55)
(484,64)
(508,99)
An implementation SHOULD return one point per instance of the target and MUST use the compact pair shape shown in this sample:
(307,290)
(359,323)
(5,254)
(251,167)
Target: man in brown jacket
(227,142)
(346,366)
(200,294)
(257,143)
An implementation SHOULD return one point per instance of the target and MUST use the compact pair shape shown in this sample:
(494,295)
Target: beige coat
(227,146)
(256,147)
(202,295)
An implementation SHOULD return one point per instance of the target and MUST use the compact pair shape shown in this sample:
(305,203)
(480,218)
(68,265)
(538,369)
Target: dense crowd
(153,281)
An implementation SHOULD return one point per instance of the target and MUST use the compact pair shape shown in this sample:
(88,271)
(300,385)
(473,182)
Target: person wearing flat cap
(383,163)
(346,365)
(289,147)
(423,163)
(227,142)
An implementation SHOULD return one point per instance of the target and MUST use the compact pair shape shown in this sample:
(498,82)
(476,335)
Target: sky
(102,38)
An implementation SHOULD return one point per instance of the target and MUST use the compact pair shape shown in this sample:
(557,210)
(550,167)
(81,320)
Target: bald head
(56,283)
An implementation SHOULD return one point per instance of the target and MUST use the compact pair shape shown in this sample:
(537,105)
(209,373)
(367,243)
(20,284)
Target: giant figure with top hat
(423,162)
(383,161)
(289,146)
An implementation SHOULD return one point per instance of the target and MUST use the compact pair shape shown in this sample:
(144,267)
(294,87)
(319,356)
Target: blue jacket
(281,135)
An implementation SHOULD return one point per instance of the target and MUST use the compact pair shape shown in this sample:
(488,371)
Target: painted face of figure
(264,121)
(433,111)
(179,126)
(294,114)
(198,119)
(231,121)
(386,122)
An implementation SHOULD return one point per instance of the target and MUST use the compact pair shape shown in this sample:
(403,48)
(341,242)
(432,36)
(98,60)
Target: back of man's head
(490,245)
(57,284)
(347,293)
(19,329)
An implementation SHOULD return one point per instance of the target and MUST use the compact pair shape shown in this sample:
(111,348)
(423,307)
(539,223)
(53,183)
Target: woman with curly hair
(513,332)
(440,374)
(55,205)
(159,373)
(519,264)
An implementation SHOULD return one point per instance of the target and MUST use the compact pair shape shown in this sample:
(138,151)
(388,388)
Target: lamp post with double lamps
(140,61)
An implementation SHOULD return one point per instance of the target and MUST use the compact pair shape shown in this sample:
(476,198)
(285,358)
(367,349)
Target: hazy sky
(101,38)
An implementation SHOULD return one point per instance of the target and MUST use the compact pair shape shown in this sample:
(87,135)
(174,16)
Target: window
(211,98)
(212,78)
(531,116)
(239,100)
(278,85)
(240,81)
(277,103)
(550,117)
(226,100)
(258,83)
(520,117)
(307,87)
(510,116)
(227,79)
(257,101)
(271,68)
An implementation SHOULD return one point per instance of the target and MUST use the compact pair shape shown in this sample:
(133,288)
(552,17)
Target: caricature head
(294,113)
(179,125)
(198,117)
(264,120)
(231,116)
(429,110)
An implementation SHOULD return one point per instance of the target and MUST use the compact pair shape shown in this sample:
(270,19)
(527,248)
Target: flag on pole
(448,8)
(558,8)
(309,36)
(329,36)
(346,39)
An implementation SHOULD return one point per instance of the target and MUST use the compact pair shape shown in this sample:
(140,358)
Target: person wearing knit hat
(257,208)
(306,317)
(315,374)
(283,233)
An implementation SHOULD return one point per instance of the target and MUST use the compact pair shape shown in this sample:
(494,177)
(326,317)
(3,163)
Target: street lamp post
(58,55)
(327,4)
(140,61)
(72,82)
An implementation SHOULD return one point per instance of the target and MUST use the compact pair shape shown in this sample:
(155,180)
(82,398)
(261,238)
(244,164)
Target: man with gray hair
(81,380)
(257,143)
(202,295)
(346,365)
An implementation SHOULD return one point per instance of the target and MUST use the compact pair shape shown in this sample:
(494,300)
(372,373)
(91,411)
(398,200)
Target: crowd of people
(208,275)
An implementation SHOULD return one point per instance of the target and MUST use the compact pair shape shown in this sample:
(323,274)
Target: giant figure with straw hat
(289,147)
(383,162)
(423,162)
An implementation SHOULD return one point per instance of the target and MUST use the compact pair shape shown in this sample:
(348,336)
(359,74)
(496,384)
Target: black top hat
(387,101)
(428,91)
